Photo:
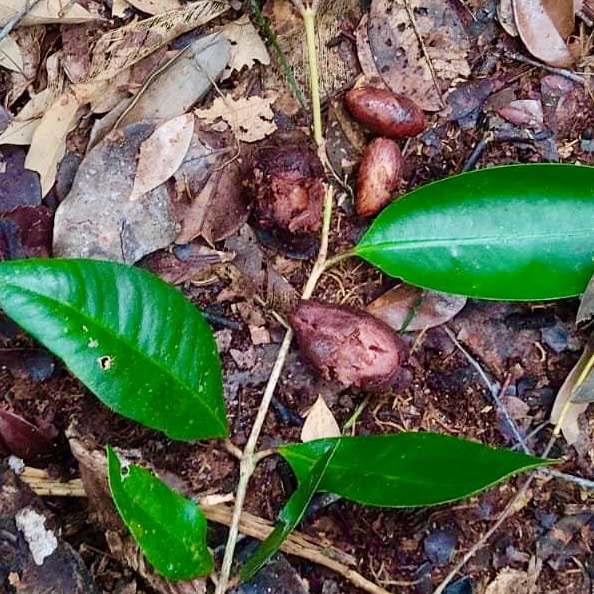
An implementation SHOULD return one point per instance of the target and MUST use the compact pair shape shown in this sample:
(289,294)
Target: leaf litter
(201,198)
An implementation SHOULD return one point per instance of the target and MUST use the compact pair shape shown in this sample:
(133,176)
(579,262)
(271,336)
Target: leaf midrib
(311,461)
(118,337)
(448,242)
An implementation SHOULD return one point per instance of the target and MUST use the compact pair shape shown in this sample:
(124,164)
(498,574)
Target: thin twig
(248,460)
(561,71)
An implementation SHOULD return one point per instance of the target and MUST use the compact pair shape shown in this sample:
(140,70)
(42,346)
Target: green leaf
(291,514)
(520,232)
(170,529)
(407,469)
(133,340)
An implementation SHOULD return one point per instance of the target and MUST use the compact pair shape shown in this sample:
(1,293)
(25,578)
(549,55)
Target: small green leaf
(407,469)
(520,232)
(291,514)
(132,339)
(170,529)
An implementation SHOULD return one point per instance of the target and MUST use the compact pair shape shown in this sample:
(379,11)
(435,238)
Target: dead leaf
(422,71)
(44,13)
(562,13)
(505,15)
(97,219)
(336,57)
(320,422)
(570,425)
(524,113)
(20,132)
(255,275)
(247,47)
(76,43)
(184,82)
(49,139)
(424,309)
(162,153)
(154,7)
(119,8)
(511,581)
(29,41)
(11,56)
(119,49)
(539,33)
(586,310)
(250,118)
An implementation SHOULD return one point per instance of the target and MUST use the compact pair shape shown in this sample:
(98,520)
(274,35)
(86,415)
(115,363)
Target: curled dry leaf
(287,184)
(524,113)
(162,153)
(540,34)
(320,422)
(247,47)
(48,144)
(384,112)
(350,345)
(379,176)
(44,13)
(418,47)
(414,308)
(121,48)
(570,422)
(250,118)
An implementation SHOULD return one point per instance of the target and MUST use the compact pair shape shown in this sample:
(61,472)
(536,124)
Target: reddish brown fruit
(287,184)
(347,344)
(379,176)
(385,113)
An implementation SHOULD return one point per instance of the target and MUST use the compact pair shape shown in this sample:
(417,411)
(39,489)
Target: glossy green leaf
(291,514)
(170,529)
(407,469)
(520,232)
(132,339)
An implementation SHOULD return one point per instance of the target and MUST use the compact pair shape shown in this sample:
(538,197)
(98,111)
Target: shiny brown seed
(379,176)
(348,345)
(384,112)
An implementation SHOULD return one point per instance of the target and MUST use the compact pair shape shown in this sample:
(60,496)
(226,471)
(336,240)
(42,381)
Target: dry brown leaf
(336,56)
(247,47)
(44,13)
(320,422)
(49,139)
(117,50)
(570,425)
(154,7)
(20,132)
(29,40)
(562,13)
(586,310)
(430,308)
(182,83)
(162,153)
(119,8)
(539,33)
(422,71)
(250,118)
(505,15)
(11,56)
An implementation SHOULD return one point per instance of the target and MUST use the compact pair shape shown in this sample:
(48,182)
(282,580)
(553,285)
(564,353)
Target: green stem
(309,20)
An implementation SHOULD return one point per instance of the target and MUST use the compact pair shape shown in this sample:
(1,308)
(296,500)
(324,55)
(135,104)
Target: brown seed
(347,344)
(287,184)
(384,112)
(379,176)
